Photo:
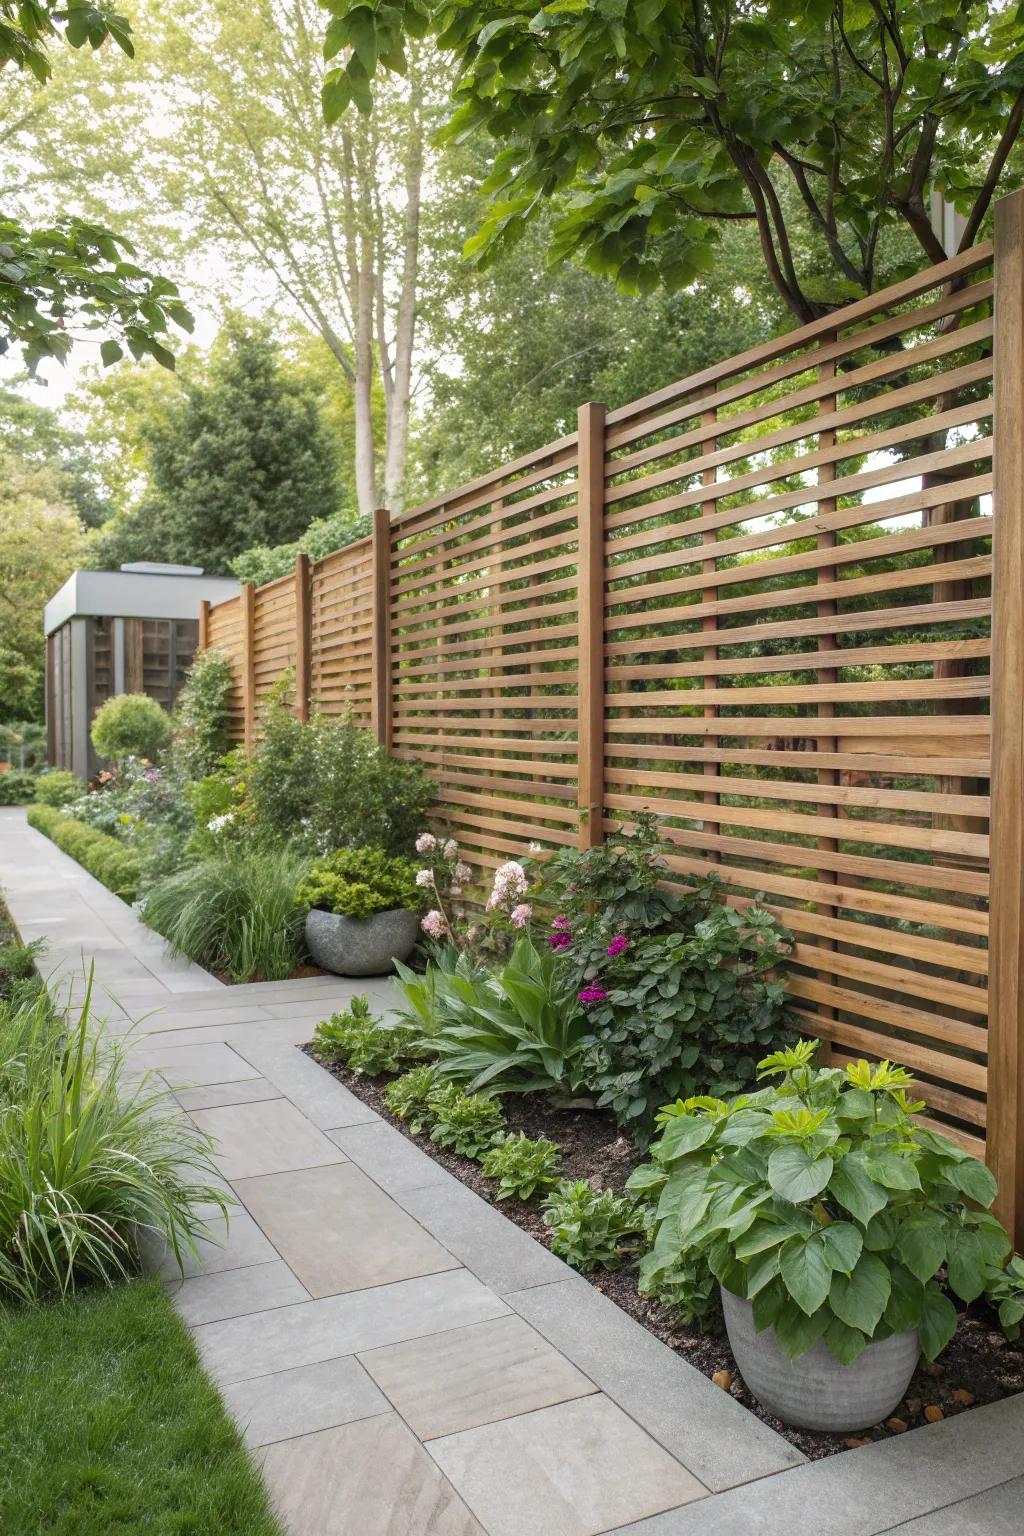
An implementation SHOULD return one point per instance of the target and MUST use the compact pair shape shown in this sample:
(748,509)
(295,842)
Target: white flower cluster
(218,823)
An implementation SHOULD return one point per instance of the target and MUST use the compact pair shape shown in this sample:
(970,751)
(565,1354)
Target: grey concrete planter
(361,946)
(816,1392)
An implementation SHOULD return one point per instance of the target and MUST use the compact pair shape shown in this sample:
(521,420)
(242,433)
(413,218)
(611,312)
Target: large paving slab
(700,1424)
(502,1254)
(471,1376)
(339,1231)
(215,1095)
(343,1325)
(270,1136)
(194,1066)
(371,1478)
(303,1400)
(237,1292)
(997,1512)
(573,1470)
(391,1159)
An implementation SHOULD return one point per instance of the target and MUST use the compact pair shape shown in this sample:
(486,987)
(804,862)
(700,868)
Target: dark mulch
(980,1365)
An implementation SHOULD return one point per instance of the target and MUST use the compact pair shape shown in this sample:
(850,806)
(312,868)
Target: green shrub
(18,961)
(131,725)
(329,782)
(521,1166)
(109,861)
(359,882)
(839,1214)
(682,1010)
(591,1228)
(467,1123)
(365,1045)
(409,1097)
(516,1031)
(58,788)
(17,788)
(90,1162)
(201,724)
(235,913)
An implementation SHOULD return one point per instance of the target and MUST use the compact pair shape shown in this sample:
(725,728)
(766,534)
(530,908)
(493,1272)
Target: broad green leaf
(921,1243)
(975,1180)
(967,1265)
(842,1244)
(796,1174)
(892,1170)
(796,1333)
(860,1298)
(806,1272)
(938,1321)
(854,1188)
(906,1298)
(846,1343)
(685,1134)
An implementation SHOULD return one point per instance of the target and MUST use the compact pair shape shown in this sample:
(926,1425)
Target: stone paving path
(403,1360)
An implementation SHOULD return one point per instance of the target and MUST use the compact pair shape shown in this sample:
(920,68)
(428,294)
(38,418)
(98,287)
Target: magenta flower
(560,940)
(590,995)
(617,945)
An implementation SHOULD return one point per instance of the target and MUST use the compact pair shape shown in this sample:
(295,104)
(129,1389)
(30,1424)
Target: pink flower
(451,849)
(618,944)
(434,925)
(426,842)
(463,873)
(424,877)
(520,916)
(560,922)
(588,995)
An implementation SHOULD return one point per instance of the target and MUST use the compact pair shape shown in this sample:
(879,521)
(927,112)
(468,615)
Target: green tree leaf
(860,1299)
(854,1188)
(797,1174)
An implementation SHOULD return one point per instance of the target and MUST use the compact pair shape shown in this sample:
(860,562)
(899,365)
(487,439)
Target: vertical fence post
(203,641)
(590,718)
(303,637)
(381,692)
(247,598)
(1005,1123)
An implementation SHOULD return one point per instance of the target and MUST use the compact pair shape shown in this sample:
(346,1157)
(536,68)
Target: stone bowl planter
(361,946)
(816,1391)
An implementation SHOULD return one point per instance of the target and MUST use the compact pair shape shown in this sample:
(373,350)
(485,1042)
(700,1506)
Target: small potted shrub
(835,1225)
(363,911)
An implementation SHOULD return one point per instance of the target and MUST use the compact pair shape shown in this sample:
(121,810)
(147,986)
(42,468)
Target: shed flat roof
(134,595)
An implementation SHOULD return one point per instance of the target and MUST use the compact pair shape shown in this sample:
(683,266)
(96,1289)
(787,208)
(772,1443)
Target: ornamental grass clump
(827,1205)
(90,1161)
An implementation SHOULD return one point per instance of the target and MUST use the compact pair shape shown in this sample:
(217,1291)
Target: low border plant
(522,1165)
(110,861)
(409,1097)
(592,1228)
(466,1123)
(357,1038)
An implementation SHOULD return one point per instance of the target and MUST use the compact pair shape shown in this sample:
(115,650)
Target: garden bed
(979,1366)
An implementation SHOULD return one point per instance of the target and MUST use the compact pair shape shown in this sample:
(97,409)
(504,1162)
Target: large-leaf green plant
(824,1202)
(517,1030)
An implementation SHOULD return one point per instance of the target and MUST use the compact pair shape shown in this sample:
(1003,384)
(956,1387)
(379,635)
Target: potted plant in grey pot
(827,1213)
(363,911)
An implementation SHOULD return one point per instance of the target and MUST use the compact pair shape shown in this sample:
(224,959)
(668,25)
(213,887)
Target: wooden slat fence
(759,603)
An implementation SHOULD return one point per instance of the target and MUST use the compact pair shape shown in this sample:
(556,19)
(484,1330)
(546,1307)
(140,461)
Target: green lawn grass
(108,1425)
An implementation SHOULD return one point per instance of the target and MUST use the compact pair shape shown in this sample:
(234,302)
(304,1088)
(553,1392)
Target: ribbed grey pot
(361,946)
(816,1391)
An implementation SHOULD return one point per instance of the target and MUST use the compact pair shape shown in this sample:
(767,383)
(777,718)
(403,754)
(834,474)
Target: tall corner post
(1005,1120)
(303,638)
(247,598)
(590,718)
(203,642)
(380,707)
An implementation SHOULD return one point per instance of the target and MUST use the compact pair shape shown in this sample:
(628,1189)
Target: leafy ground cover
(979,1365)
(109,1426)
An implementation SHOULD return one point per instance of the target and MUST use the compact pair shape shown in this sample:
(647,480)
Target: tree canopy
(74,276)
(658,124)
(241,456)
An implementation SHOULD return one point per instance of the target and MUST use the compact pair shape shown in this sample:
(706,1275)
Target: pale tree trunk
(366,476)
(396,451)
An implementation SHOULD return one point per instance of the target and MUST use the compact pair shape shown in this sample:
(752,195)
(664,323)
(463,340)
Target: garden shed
(134,630)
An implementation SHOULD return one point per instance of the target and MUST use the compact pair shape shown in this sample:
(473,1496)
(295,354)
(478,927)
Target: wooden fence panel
(224,633)
(827,656)
(274,635)
(341,609)
(485,652)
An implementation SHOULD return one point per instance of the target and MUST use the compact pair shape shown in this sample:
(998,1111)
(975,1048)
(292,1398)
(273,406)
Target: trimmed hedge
(103,856)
